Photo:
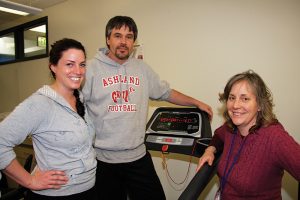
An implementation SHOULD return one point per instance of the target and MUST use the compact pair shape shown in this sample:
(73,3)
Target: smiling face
(120,44)
(70,70)
(242,106)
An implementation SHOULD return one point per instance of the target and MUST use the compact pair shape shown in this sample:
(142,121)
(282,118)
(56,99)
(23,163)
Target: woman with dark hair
(256,147)
(61,132)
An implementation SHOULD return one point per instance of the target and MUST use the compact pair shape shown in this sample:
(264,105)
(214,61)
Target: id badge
(218,195)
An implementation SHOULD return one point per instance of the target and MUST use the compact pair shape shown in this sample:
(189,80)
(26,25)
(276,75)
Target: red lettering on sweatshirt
(118,79)
(122,108)
(115,95)
(123,94)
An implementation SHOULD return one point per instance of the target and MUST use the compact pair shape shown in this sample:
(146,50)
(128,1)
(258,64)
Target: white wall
(197,45)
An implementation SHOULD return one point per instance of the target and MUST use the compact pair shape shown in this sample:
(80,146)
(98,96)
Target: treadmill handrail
(200,180)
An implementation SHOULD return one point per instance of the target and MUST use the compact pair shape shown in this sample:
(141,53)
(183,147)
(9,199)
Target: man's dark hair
(117,22)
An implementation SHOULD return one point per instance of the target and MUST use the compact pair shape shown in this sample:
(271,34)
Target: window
(35,41)
(25,42)
(7,47)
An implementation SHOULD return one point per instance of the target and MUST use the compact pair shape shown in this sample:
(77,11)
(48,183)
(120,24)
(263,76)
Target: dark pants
(87,195)
(136,179)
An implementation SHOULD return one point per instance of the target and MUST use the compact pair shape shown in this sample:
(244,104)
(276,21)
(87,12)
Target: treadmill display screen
(176,122)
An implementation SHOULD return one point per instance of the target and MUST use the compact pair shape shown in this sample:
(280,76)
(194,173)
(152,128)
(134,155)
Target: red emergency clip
(164,148)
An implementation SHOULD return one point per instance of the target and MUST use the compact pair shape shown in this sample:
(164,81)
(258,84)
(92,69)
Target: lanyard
(226,174)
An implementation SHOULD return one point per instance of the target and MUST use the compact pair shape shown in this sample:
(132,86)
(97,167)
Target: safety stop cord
(164,150)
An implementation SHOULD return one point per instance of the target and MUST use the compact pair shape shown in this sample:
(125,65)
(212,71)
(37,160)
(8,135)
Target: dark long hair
(263,95)
(57,49)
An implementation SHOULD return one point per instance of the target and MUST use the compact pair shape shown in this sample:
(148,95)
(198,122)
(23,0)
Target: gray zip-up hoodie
(62,140)
(117,101)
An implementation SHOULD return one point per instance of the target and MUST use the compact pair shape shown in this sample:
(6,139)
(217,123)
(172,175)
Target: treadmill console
(176,123)
(178,129)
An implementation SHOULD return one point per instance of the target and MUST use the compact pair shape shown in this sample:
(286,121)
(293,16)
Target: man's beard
(122,56)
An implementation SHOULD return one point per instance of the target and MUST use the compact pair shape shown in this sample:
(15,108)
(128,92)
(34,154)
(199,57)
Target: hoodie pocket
(120,134)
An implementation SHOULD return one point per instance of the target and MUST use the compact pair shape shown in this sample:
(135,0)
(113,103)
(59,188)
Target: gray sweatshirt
(62,140)
(117,99)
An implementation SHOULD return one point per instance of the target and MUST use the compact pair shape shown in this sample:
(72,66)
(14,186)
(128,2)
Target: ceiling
(42,4)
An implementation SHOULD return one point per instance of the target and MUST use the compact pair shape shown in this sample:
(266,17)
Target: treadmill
(185,131)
